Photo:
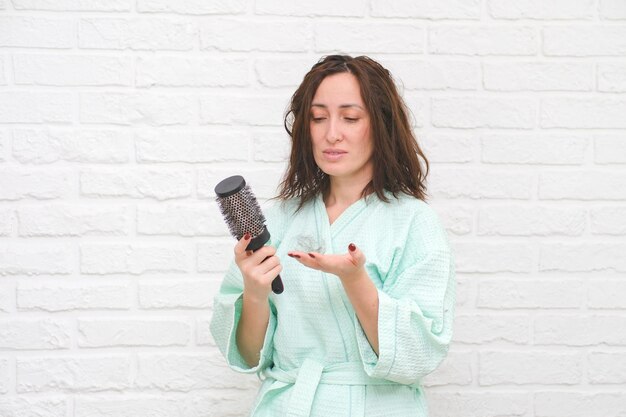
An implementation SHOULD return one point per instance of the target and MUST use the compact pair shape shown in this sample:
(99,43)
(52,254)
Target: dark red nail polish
(311,255)
(351,247)
(291,255)
(246,236)
(297,256)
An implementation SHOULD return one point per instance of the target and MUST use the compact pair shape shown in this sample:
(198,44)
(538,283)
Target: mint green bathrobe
(316,359)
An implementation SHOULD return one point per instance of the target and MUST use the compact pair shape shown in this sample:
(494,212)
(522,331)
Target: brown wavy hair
(396,155)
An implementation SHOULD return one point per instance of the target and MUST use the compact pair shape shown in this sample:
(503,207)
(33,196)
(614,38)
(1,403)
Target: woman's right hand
(258,272)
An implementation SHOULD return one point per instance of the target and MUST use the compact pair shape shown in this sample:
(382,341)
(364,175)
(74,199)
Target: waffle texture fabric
(316,359)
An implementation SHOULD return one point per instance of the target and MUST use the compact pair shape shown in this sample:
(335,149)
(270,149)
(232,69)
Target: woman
(369,281)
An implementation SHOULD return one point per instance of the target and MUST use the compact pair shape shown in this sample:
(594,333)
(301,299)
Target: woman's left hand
(348,267)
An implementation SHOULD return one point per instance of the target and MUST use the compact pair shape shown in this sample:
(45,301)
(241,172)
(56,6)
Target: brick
(197,7)
(538,76)
(160,184)
(227,403)
(188,372)
(3,80)
(73,220)
(37,146)
(179,294)
(447,9)
(608,220)
(72,70)
(4,141)
(203,332)
(478,404)
(475,184)
(582,185)
(274,146)
(457,219)
(491,328)
(31,107)
(263,182)
(483,41)
(534,149)
(512,220)
(504,294)
(610,149)
(35,184)
(7,298)
(435,75)
(34,407)
(530,367)
(606,294)
(216,255)
(174,71)
(137,34)
(138,109)
(369,37)
(136,259)
(67,297)
(456,369)
(34,32)
(251,109)
(43,334)
(133,332)
(4,376)
(192,145)
(607,368)
(494,257)
(74,374)
(464,292)
(281,72)
(583,40)
(612,77)
(538,9)
(73,5)
(228,34)
(469,112)
(449,147)
(42,258)
(350,8)
(181,220)
(6,222)
(578,404)
(573,112)
(580,330)
(583,257)
(612,9)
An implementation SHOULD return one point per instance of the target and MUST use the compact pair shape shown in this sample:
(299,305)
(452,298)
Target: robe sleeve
(416,307)
(226,314)
(228,302)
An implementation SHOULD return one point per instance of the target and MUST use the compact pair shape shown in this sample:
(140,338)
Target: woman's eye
(318,119)
(351,119)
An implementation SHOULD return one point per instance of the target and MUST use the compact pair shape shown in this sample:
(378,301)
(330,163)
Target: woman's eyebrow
(342,106)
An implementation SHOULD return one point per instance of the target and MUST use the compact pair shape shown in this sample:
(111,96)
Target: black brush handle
(254,245)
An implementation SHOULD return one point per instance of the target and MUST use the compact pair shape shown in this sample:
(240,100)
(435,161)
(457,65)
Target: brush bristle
(242,213)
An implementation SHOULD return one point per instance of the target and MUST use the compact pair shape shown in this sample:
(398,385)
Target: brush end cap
(230,186)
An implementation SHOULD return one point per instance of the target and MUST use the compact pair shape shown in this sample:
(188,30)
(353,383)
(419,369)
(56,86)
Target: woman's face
(340,129)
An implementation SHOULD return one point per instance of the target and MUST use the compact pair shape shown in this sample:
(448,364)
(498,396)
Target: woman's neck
(343,193)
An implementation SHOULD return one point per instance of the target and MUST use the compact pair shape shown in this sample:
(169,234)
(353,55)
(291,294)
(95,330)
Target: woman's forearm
(255,315)
(364,298)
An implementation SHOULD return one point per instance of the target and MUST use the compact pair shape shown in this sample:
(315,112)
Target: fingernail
(311,255)
(246,236)
(351,247)
(289,254)
(296,256)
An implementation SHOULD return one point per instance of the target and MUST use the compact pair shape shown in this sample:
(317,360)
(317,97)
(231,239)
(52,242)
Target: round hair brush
(242,214)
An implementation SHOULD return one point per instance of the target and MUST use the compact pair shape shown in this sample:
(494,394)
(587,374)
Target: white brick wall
(117,119)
